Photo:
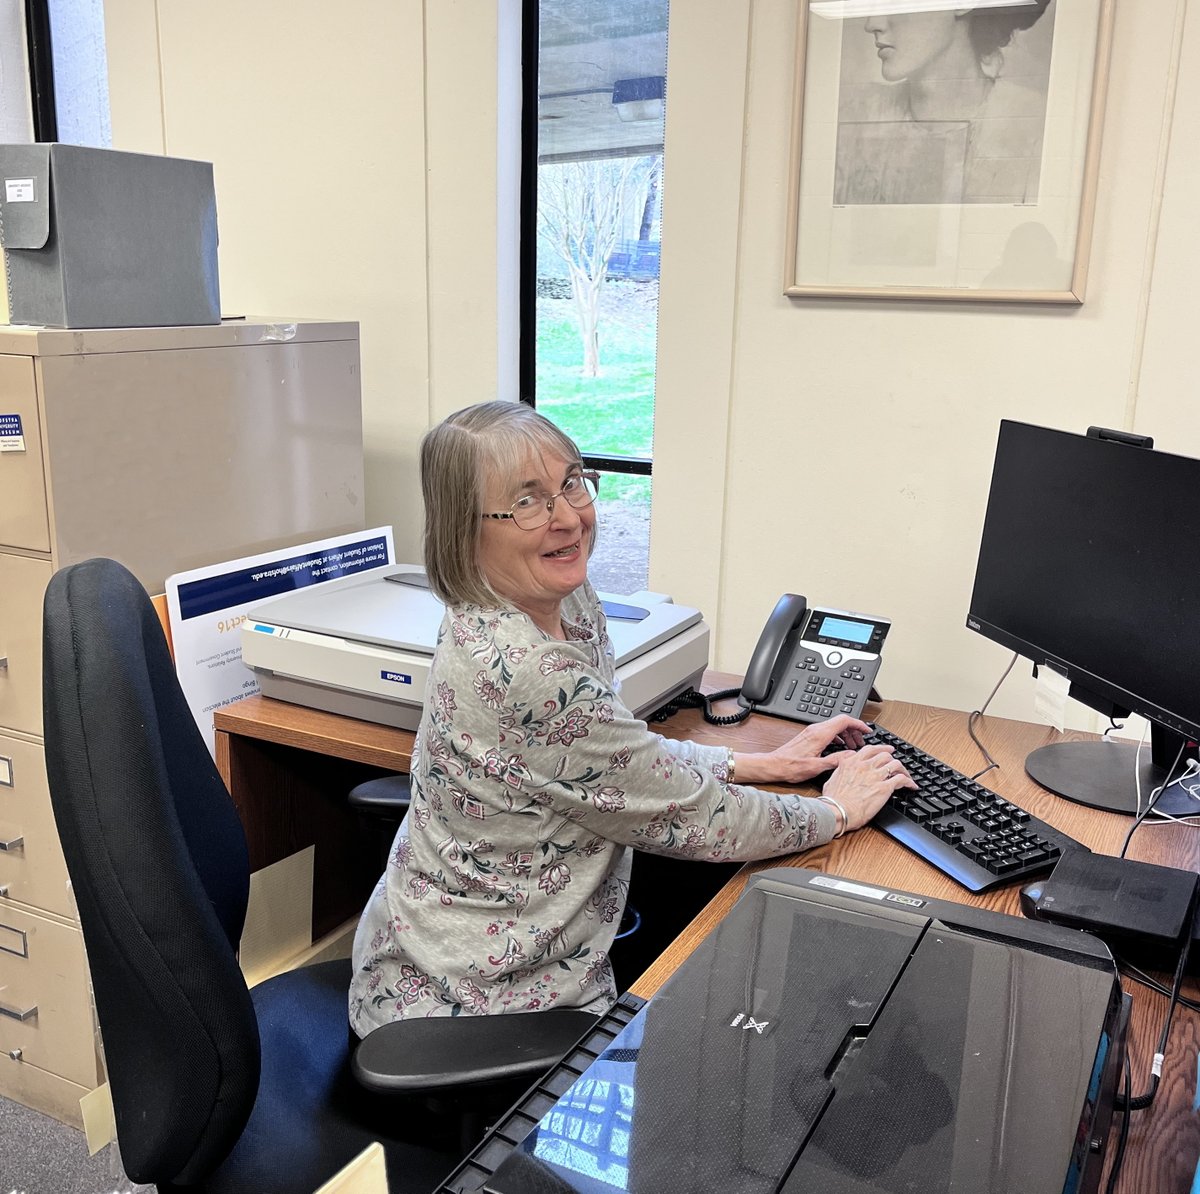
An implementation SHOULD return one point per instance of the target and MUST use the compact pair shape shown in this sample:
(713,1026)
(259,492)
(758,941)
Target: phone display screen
(858,633)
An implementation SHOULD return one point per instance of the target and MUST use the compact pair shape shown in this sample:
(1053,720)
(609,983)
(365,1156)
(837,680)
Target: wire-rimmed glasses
(533,510)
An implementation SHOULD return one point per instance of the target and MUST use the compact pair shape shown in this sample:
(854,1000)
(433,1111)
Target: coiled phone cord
(691,699)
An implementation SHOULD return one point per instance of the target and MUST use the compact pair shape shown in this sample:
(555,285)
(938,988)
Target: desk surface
(1164,1141)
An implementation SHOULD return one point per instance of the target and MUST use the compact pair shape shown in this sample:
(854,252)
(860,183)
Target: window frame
(641,466)
(41,70)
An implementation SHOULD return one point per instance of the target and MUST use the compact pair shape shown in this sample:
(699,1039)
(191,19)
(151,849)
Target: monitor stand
(1100,774)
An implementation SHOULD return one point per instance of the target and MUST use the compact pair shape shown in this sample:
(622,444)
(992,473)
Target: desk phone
(812,662)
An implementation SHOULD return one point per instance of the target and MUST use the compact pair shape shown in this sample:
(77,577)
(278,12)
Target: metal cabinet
(166,449)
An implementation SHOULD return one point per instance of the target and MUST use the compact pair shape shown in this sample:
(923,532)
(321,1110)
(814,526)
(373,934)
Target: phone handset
(810,664)
(769,655)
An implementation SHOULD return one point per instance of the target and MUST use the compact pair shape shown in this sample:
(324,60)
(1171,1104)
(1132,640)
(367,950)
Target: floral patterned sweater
(531,781)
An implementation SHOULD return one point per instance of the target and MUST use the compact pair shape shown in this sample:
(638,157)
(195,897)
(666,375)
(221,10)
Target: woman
(945,126)
(530,779)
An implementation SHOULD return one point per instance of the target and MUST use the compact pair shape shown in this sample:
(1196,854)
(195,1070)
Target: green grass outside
(611,413)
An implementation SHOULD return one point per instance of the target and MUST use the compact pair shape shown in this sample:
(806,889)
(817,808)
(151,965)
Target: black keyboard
(965,830)
(473,1174)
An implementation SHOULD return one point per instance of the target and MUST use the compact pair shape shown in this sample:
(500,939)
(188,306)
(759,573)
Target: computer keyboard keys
(966,830)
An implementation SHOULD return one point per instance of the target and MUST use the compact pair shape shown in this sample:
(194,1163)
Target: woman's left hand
(800,758)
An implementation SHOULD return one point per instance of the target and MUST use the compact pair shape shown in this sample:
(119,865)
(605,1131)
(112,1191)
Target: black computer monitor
(1088,563)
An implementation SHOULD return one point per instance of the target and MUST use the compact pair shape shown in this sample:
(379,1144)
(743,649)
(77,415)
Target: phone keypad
(824,694)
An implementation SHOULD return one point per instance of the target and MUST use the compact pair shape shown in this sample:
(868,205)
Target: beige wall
(840,450)
(354,151)
(845,448)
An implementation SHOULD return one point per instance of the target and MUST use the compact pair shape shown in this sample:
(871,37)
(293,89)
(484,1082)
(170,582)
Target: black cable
(1141,1102)
(1131,972)
(1119,1156)
(691,699)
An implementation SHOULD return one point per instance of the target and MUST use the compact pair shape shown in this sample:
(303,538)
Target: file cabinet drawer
(45,1092)
(23,583)
(23,517)
(45,1006)
(32,870)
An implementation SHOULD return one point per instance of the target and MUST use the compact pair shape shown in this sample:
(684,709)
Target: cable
(1133,973)
(1141,1102)
(1190,770)
(1137,778)
(691,699)
(978,713)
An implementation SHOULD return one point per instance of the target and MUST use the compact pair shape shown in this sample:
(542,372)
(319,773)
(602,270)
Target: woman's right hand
(864,781)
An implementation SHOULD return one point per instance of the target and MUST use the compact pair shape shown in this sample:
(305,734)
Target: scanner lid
(393,607)
(843,1039)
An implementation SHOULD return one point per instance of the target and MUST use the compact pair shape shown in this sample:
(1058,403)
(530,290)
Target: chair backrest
(158,862)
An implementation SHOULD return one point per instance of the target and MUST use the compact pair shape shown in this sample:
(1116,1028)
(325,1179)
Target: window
(53,72)
(596,80)
(80,72)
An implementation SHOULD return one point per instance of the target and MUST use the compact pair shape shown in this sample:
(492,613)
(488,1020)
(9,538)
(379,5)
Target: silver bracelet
(729,765)
(837,805)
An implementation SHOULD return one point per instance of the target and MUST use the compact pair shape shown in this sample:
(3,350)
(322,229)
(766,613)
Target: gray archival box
(101,238)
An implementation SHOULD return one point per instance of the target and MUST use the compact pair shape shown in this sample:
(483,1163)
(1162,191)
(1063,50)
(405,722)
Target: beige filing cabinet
(166,449)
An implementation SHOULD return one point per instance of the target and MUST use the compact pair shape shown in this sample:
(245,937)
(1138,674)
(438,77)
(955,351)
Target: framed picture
(946,149)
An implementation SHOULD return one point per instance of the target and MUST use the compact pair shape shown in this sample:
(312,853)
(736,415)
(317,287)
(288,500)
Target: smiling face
(911,44)
(536,569)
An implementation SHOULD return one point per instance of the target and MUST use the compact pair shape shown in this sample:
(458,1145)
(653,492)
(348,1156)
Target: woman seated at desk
(531,781)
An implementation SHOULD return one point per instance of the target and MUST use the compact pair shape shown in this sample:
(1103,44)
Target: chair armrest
(388,796)
(445,1053)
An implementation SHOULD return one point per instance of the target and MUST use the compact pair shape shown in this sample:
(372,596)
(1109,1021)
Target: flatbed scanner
(836,1037)
(362,646)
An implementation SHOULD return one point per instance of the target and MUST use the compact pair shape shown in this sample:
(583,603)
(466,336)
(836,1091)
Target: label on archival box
(19,190)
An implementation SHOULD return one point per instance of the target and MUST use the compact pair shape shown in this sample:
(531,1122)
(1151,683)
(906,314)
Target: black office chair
(381,804)
(217,1088)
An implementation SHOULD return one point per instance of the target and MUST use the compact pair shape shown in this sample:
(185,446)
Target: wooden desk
(1164,1141)
(289,768)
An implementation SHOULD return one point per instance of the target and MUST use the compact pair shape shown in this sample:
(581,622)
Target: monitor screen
(1087,562)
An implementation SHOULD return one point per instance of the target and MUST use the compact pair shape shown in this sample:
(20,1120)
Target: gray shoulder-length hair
(483,445)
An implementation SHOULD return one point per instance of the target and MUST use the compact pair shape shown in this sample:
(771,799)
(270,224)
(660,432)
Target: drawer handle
(9,933)
(12,843)
(16,1013)
(15,1054)
(3,663)
(6,772)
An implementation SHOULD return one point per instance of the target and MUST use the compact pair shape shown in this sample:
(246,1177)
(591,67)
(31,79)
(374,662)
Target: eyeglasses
(533,510)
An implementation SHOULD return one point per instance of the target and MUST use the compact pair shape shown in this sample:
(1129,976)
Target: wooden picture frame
(978,185)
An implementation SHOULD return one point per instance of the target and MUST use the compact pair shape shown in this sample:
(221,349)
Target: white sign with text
(208,605)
